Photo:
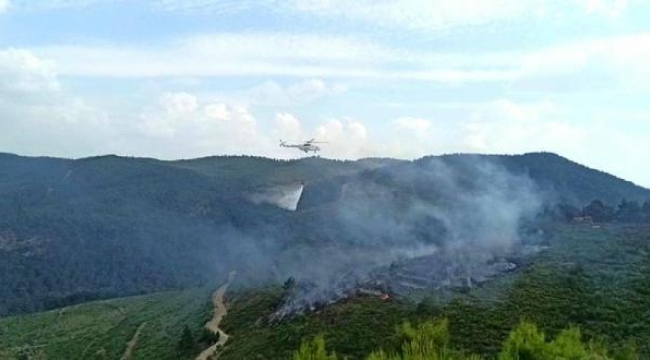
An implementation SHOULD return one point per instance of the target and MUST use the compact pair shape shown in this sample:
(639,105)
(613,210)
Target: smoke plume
(460,214)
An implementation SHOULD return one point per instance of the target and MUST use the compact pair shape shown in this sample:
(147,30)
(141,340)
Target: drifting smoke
(451,220)
(284,197)
(466,213)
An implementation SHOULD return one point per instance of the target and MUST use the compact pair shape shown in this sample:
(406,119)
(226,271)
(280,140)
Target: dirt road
(130,346)
(220,311)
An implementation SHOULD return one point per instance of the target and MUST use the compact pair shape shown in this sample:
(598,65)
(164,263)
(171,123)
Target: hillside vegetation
(102,329)
(430,341)
(77,230)
(593,278)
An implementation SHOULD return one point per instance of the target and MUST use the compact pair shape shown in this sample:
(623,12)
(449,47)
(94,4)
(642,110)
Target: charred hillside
(75,230)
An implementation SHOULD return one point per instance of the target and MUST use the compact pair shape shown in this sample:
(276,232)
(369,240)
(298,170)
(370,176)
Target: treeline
(430,340)
(626,211)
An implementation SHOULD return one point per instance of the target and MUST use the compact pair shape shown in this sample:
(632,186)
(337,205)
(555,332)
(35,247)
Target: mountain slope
(77,230)
(572,182)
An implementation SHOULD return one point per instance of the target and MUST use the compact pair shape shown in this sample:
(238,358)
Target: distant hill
(559,180)
(101,227)
(571,182)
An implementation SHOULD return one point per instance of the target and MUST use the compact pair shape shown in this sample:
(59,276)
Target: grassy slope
(592,277)
(101,330)
(589,277)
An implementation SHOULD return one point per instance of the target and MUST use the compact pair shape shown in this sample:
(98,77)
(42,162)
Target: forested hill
(572,182)
(76,230)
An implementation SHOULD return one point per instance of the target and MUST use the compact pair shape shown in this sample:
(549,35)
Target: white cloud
(343,138)
(608,8)
(499,126)
(38,116)
(358,130)
(179,103)
(289,127)
(280,54)
(418,14)
(347,138)
(182,125)
(22,73)
(622,55)
(250,54)
(228,129)
(612,143)
(418,126)
(441,14)
(427,15)
(272,54)
(579,65)
(505,126)
(4,5)
(307,91)
(182,110)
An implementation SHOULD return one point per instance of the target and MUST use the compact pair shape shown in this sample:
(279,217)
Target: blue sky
(400,78)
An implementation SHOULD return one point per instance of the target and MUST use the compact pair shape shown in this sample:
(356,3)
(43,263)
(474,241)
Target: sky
(383,78)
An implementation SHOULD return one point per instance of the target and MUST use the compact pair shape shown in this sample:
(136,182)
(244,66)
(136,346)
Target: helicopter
(306,147)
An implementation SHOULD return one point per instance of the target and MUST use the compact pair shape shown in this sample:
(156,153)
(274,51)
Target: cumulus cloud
(347,138)
(38,116)
(344,138)
(505,126)
(289,127)
(182,125)
(22,73)
(498,126)
(179,103)
(4,5)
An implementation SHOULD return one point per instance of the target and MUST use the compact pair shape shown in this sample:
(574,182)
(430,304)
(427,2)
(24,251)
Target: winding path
(220,311)
(130,346)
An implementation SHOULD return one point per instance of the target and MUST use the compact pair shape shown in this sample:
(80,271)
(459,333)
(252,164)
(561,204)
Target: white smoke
(284,197)
(468,213)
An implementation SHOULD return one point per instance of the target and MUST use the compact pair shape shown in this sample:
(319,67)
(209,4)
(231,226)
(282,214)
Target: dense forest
(102,227)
